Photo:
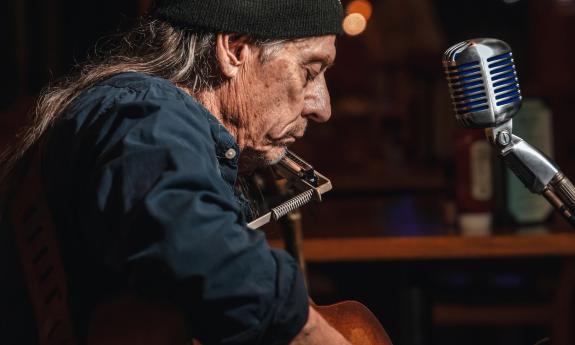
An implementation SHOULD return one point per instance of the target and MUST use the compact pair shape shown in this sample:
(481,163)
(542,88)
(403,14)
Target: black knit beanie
(258,18)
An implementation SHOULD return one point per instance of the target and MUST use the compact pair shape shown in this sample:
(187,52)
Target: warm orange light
(354,24)
(362,7)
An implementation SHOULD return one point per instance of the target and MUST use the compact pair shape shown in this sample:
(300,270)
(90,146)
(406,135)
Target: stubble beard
(251,160)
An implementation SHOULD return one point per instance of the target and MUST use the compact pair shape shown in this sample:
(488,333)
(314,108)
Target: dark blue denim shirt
(140,178)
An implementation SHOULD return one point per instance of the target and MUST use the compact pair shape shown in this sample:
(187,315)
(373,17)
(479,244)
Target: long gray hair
(185,57)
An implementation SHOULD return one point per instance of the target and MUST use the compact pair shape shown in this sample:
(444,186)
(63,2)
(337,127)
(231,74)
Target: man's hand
(318,332)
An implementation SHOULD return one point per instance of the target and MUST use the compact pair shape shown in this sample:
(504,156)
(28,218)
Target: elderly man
(141,148)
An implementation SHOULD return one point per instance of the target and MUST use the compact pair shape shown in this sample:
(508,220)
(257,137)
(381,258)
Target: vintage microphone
(485,94)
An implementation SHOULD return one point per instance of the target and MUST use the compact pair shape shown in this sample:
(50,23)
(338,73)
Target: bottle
(473,182)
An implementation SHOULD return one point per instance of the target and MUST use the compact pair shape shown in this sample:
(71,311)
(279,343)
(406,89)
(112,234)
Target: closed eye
(311,75)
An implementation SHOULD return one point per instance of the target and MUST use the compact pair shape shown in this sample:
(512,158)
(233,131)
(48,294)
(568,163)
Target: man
(143,150)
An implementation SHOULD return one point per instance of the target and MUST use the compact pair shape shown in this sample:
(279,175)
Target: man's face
(279,97)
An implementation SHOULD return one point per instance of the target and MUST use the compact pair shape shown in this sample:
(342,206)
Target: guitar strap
(36,239)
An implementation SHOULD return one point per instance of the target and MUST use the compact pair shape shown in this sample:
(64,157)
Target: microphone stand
(534,169)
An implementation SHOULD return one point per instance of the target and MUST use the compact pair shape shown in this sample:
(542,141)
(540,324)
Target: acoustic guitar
(131,321)
(355,322)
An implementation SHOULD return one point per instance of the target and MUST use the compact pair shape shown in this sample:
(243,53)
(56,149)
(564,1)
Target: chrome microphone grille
(504,79)
(482,81)
(467,89)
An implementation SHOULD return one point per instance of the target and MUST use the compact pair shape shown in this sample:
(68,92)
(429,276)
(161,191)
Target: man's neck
(211,100)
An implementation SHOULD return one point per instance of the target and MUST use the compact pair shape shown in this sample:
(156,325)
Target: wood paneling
(435,247)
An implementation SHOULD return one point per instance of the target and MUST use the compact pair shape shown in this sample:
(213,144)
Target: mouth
(288,138)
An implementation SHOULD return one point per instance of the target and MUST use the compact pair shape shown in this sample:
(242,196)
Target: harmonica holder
(309,183)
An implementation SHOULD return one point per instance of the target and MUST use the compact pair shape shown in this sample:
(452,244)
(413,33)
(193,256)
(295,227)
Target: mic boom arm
(534,169)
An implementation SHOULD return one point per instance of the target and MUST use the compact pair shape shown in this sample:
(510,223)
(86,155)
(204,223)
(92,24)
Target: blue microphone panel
(468,89)
(504,78)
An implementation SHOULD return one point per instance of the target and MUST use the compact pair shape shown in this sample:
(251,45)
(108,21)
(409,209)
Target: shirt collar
(227,150)
(224,141)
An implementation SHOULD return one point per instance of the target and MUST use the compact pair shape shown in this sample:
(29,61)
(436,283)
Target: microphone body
(485,93)
(483,82)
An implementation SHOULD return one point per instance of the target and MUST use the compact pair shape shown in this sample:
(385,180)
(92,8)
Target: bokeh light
(362,7)
(354,24)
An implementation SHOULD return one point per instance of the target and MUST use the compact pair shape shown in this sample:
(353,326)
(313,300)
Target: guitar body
(355,322)
(130,321)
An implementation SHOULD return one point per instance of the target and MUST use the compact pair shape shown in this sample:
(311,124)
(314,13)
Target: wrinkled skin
(266,105)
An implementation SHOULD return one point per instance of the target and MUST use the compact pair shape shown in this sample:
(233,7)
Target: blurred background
(424,225)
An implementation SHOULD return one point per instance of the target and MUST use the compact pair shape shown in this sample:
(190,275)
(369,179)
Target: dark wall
(43,39)
(405,125)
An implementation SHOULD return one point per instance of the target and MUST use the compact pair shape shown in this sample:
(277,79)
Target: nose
(317,105)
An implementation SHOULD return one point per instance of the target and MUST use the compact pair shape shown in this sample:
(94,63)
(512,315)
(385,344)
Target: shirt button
(231,154)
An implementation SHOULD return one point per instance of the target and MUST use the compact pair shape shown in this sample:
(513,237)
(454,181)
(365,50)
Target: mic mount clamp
(534,169)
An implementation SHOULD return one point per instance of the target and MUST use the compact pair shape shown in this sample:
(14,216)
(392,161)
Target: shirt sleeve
(160,212)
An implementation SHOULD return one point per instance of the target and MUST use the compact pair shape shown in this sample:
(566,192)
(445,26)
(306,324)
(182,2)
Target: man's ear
(232,52)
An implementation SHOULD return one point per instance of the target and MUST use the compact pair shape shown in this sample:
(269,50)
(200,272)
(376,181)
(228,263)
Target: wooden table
(558,314)
(351,249)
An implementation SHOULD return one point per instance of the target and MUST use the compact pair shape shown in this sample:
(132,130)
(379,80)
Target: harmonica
(308,183)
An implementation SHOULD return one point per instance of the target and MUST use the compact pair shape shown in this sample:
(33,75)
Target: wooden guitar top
(355,322)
